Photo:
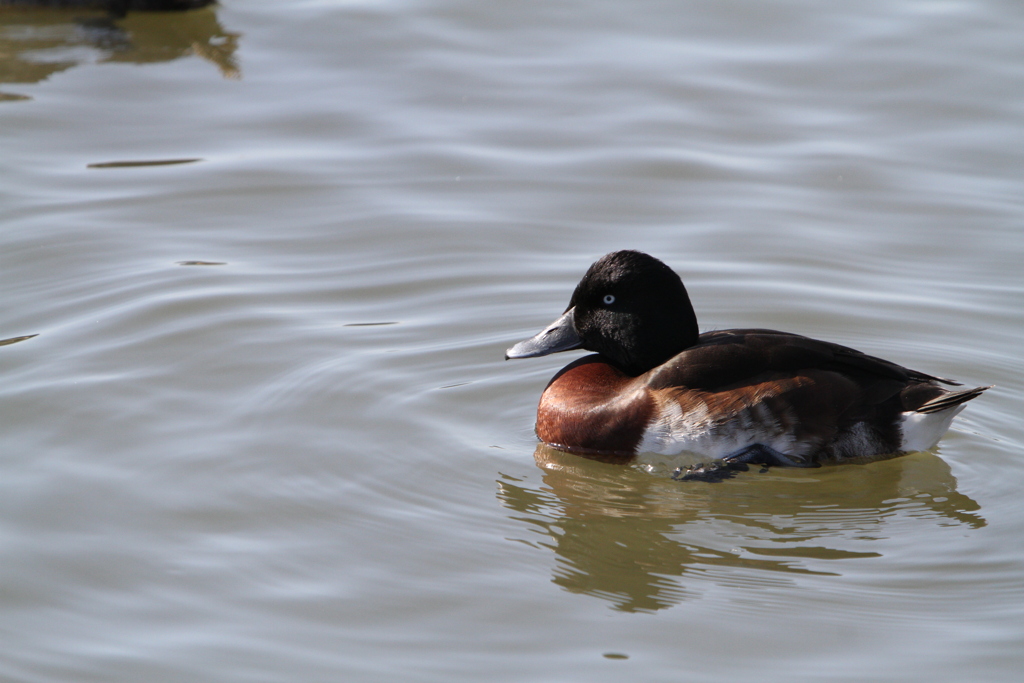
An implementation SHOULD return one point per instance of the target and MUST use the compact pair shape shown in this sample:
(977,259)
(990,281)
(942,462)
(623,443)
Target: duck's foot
(727,467)
(713,472)
(759,454)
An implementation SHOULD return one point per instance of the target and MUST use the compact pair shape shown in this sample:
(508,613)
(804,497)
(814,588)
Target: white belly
(694,431)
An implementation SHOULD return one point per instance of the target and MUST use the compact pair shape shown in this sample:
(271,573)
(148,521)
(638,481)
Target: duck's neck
(657,337)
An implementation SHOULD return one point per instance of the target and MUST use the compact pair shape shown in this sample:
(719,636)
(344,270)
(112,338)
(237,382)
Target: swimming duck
(737,397)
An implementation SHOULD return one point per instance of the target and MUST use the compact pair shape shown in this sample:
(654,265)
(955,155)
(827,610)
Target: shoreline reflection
(637,540)
(37,43)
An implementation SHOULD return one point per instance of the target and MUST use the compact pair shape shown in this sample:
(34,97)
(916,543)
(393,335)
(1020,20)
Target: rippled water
(273,253)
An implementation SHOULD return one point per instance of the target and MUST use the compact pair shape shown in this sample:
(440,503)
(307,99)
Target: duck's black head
(629,307)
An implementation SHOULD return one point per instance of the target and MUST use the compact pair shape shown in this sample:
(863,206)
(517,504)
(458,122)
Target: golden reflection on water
(638,540)
(36,43)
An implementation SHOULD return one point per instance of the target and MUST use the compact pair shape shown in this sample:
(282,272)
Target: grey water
(272,254)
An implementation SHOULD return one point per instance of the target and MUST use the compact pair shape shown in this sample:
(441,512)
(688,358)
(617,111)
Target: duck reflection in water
(36,37)
(638,541)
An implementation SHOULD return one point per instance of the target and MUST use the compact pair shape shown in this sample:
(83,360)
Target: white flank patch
(674,432)
(921,431)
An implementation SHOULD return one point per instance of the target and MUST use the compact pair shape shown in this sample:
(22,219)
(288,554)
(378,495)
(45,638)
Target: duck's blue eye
(609,299)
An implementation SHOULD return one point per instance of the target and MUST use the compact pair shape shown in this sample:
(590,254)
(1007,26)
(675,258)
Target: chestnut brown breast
(592,408)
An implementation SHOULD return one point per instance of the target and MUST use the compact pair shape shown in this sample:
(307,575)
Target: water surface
(265,431)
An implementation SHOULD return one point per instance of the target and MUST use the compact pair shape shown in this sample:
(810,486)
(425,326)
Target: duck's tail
(924,423)
(950,399)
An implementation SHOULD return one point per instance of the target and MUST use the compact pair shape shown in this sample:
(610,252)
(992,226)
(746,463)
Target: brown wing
(727,357)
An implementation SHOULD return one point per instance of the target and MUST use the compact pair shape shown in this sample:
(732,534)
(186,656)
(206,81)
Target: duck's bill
(558,336)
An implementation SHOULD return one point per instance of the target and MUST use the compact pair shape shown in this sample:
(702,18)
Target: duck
(655,385)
